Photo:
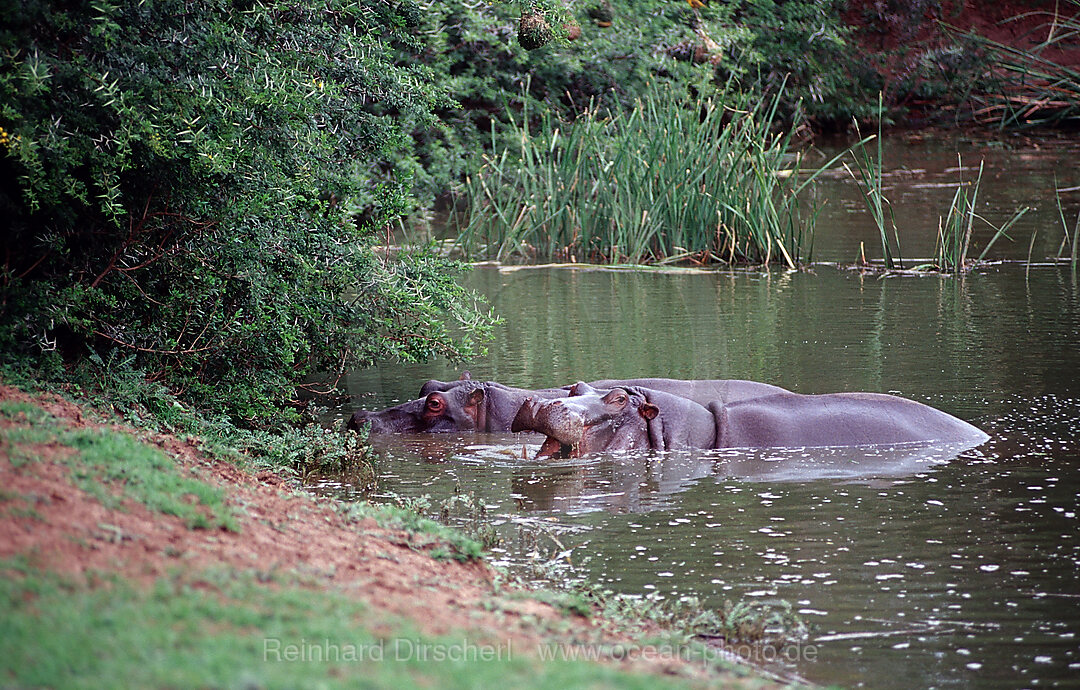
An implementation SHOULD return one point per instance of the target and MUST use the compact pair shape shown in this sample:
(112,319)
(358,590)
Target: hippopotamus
(629,417)
(702,391)
(467,405)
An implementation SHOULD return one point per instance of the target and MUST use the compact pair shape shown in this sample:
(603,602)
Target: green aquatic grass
(671,179)
(230,630)
(112,467)
(1074,239)
(955,229)
(870,178)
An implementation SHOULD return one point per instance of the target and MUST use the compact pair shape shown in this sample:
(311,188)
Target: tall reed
(954,232)
(670,179)
(870,180)
(1074,250)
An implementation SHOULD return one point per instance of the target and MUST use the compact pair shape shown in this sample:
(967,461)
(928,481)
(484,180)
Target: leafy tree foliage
(202,188)
(610,53)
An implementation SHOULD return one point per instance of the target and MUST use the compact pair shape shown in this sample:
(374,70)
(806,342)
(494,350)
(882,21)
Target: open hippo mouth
(557,450)
(564,427)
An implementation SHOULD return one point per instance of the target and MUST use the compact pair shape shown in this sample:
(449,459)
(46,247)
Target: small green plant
(568,602)
(469,514)
(446,542)
(954,232)
(461,511)
(313,449)
(1074,250)
(869,179)
(744,621)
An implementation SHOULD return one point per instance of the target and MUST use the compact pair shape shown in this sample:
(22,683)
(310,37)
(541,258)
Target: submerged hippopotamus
(467,405)
(624,418)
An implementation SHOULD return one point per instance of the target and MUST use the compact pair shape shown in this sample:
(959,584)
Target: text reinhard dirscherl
(464,650)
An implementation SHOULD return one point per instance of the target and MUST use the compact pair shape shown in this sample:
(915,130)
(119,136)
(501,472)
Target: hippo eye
(434,404)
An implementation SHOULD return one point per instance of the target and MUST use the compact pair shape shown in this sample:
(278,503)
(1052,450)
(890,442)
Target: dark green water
(916,567)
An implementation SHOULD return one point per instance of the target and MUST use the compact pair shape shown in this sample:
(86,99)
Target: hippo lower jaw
(555,449)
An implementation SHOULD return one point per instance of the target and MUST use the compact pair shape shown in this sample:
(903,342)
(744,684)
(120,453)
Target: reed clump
(870,178)
(1070,244)
(671,179)
(955,230)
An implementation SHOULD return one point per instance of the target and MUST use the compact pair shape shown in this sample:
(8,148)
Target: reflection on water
(641,481)
(918,567)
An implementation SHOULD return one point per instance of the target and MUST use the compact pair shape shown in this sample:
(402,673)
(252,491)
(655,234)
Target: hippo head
(460,408)
(434,385)
(588,421)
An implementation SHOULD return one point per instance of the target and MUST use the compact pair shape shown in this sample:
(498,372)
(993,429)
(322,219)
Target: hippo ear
(581,388)
(465,376)
(475,396)
(648,411)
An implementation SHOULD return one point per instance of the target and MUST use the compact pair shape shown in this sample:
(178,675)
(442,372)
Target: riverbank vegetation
(955,230)
(918,63)
(189,193)
(671,179)
(131,554)
(205,196)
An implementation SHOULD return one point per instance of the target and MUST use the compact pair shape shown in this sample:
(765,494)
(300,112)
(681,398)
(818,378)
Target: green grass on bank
(226,629)
(112,466)
(115,387)
(452,543)
(285,627)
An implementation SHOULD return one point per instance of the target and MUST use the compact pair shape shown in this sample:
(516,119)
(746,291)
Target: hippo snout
(554,418)
(358,420)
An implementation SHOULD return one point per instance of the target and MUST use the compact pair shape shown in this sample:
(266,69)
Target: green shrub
(199,185)
(315,450)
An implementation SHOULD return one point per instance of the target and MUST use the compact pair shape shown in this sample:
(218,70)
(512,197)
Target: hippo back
(701,391)
(836,419)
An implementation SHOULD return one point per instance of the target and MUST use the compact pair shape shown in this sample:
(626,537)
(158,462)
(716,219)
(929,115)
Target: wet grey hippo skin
(701,391)
(467,405)
(835,419)
(593,420)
